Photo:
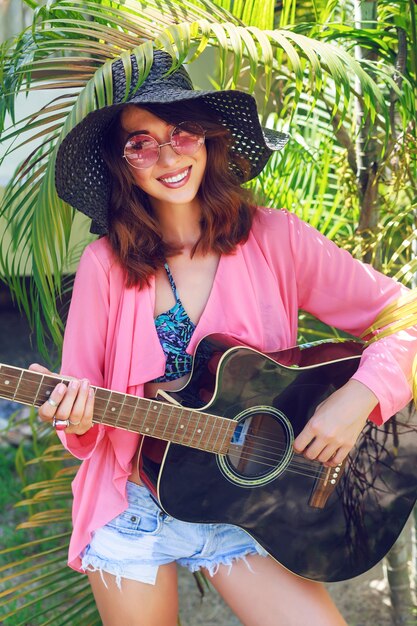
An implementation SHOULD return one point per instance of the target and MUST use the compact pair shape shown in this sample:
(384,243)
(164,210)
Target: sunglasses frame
(166,143)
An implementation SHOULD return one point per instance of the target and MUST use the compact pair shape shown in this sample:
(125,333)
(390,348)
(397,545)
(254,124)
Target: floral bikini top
(174,329)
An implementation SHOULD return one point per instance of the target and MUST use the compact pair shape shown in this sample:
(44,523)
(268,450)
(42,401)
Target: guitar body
(264,488)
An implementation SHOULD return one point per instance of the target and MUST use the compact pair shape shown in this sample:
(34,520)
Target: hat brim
(83,180)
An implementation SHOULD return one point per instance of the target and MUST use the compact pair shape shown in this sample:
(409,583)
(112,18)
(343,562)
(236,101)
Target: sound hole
(261,446)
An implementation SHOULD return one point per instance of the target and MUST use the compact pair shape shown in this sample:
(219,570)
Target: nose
(167,153)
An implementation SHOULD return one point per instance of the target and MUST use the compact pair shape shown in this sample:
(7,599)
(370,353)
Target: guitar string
(163,408)
(254,457)
(293,466)
(274,448)
(265,448)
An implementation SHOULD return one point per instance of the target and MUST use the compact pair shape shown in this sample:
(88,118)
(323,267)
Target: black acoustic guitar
(230,459)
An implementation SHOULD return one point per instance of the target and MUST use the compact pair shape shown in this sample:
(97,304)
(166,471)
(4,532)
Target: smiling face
(175,178)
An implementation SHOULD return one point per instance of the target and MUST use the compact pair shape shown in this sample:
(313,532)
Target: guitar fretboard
(172,423)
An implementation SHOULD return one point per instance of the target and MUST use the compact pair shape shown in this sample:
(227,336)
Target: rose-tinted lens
(187,138)
(141,151)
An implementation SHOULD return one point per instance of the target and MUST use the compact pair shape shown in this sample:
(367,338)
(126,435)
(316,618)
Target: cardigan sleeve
(347,294)
(85,340)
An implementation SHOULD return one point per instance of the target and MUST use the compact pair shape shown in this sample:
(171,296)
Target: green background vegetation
(341,76)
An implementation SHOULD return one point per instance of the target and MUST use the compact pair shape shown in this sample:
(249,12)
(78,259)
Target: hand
(74,402)
(332,432)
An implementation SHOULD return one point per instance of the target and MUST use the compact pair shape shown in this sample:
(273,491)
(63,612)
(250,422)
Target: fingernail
(74,384)
(61,388)
(91,392)
(85,383)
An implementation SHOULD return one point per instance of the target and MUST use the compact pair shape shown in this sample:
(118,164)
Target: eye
(138,142)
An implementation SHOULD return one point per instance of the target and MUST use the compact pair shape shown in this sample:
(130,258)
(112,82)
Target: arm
(347,294)
(83,358)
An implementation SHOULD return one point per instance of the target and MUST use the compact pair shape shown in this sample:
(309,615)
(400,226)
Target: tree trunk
(367,147)
(367,157)
(398,563)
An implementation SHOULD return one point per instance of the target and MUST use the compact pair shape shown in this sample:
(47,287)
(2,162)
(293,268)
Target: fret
(127,412)
(228,434)
(120,411)
(180,411)
(107,405)
(27,387)
(186,437)
(145,427)
(202,433)
(8,375)
(38,391)
(181,426)
(47,385)
(158,415)
(17,386)
(100,402)
(222,428)
(167,421)
(214,431)
(156,408)
(143,423)
(217,431)
(197,419)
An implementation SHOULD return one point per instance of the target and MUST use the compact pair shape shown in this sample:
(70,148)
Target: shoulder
(272,227)
(99,254)
(268,220)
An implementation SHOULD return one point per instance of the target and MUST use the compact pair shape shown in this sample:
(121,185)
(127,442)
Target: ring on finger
(52,402)
(74,423)
(60,424)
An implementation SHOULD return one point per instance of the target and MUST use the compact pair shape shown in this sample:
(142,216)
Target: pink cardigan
(285,265)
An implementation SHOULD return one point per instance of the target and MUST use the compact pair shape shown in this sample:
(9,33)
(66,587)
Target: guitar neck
(171,423)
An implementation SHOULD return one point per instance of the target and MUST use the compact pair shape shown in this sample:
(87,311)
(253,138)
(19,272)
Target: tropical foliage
(347,91)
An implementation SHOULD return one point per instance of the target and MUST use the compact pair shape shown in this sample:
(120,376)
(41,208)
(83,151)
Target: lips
(176,179)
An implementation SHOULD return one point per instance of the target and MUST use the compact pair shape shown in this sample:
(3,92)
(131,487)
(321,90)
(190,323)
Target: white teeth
(175,179)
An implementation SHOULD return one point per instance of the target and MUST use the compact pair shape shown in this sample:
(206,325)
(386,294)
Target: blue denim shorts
(135,543)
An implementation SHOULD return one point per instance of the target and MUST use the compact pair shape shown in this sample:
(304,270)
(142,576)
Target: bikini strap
(172,282)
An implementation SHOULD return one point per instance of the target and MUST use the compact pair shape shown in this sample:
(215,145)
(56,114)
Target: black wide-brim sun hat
(82,178)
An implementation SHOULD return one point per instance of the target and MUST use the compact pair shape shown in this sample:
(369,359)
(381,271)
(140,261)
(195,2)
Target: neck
(150,417)
(180,224)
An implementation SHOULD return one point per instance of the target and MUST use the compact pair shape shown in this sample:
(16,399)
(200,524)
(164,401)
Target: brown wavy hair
(227,209)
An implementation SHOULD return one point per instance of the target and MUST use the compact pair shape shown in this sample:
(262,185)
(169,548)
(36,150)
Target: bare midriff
(150,391)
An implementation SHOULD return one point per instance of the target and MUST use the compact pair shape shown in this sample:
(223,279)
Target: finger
(35,367)
(78,408)
(66,406)
(304,439)
(315,449)
(338,457)
(49,408)
(87,419)
(327,454)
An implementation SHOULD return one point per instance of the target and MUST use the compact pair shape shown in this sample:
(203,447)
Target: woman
(185,254)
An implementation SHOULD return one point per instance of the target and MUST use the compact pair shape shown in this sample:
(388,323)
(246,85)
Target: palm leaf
(311,81)
(84,38)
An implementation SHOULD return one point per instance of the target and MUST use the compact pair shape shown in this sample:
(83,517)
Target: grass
(10,492)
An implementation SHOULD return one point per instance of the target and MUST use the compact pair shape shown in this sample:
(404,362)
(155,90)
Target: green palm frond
(36,586)
(72,44)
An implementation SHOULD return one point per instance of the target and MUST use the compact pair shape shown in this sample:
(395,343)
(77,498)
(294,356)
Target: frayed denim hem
(213,568)
(92,563)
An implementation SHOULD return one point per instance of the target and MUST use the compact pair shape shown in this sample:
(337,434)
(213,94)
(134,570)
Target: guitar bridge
(325,485)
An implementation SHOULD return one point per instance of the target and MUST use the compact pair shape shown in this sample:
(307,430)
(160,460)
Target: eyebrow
(137,132)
